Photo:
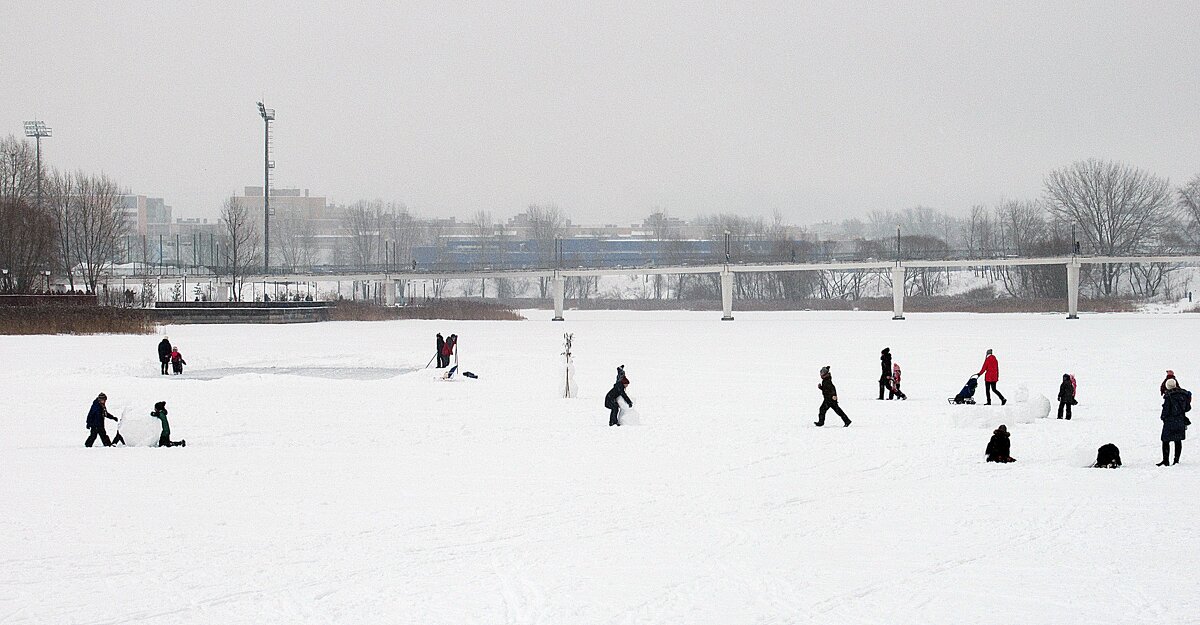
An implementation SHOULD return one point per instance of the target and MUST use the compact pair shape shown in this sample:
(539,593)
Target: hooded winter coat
(161,415)
(164,350)
(999,446)
(828,390)
(885,363)
(1066,391)
(1176,403)
(96,416)
(618,390)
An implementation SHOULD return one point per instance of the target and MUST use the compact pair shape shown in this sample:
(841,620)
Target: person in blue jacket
(95,421)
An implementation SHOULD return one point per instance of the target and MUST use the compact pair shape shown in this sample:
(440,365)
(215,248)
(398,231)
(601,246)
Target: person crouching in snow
(999,447)
(164,439)
(829,399)
(610,400)
(177,361)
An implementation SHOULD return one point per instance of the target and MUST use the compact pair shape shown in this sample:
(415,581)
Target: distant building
(144,213)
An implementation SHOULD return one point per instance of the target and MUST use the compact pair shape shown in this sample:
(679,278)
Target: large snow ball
(629,416)
(1027,410)
(139,429)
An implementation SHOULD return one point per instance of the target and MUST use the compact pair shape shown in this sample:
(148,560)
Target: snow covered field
(328,478)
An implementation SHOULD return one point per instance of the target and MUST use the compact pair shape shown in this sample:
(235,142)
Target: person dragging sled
(610,400)
(164,439)
(1066,396)
(829,399)
(991,374)
(95,421)
(998,448)
(885,378)
(164,354)
(1176,403)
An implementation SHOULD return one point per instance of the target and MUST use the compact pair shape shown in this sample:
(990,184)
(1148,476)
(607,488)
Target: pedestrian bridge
(391,279)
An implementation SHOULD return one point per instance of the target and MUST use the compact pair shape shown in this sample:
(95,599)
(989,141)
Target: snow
(329,478)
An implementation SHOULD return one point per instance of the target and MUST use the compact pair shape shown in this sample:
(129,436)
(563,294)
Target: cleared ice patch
(328,373)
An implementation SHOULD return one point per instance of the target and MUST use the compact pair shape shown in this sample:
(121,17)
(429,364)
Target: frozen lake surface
(330,478)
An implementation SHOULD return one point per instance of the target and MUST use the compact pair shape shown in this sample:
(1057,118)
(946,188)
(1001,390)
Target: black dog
(1108,457)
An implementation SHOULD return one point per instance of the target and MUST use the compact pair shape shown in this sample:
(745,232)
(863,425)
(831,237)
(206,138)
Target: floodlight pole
(268,116)
(38,129)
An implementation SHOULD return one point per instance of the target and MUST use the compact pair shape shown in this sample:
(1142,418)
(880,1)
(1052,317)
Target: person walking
(1066,396)
(885,378)
(177,361)
(896,392)
(829,400)
(164,439)
(164,354)
(95,421)
(1176,403)
(999,447)
(991,374)
(610,400)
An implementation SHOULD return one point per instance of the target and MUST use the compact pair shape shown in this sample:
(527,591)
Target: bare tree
(1119,209)
(403,231)
(1189,206)
(98,225)
(62,202)
(243,243)
(546,225)
(364,220)
(294,238)
(26,229)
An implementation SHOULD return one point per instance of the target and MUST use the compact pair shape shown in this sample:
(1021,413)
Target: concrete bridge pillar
(726,295)
(221,290)
(389,292)
(1073,289)
(560,290)
(898,292)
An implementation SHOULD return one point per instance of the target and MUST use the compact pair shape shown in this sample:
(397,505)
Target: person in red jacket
(991,374)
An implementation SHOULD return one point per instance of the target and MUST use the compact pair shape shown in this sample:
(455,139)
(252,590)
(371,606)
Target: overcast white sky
(819,110)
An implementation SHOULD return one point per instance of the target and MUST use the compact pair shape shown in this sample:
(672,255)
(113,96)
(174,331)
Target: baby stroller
(967,394)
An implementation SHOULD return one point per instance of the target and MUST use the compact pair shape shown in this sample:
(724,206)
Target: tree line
(72,227)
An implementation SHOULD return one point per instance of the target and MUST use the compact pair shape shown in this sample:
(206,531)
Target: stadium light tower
(38,129)
(268,116)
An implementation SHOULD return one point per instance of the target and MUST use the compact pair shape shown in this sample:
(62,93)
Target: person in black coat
(95,421)
(999,446)
(1066,396)
(441,347)
(829,399)
(885,380)
(164,354)
(1176,403)
(610,400)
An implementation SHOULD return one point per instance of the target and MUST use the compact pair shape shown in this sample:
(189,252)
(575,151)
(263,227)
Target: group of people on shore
(98,414)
